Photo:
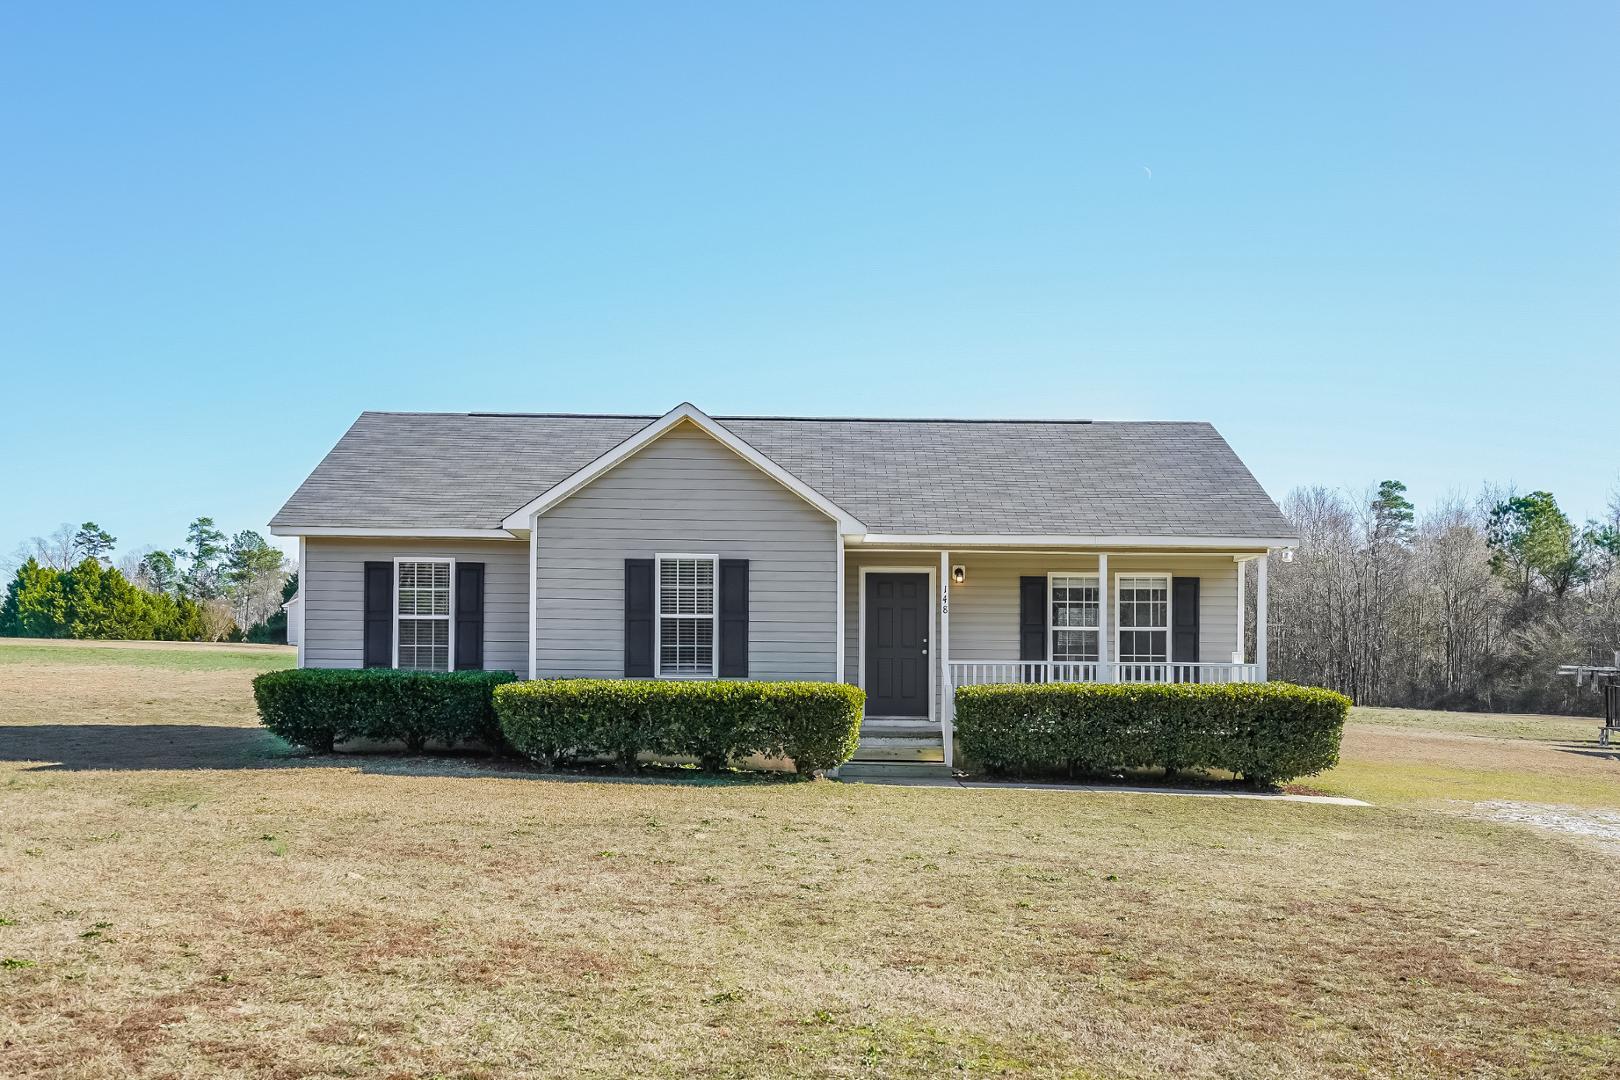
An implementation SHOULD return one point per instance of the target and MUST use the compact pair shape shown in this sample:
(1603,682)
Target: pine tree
(1531,539)
(92,541)
(1393,514)
(158,572)
(253,574)
(201,580)
(35,604)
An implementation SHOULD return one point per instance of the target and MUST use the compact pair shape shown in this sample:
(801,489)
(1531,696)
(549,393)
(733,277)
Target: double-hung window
(1144,618)
(1075,600)
(422,614)
(686,616)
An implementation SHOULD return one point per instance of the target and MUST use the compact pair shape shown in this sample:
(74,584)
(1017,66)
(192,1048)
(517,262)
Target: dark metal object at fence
(1608,680)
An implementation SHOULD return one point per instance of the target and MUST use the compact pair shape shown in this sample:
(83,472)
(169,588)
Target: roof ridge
(512,415)
(796,419)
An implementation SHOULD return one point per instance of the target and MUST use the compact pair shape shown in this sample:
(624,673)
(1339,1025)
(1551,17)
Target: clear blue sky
(1377,241)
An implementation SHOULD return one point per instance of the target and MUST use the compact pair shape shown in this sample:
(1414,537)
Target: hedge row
(316,707)
(1263,732)
(814,724)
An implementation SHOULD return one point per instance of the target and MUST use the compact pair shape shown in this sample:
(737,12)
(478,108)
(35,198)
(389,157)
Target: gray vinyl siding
(686,494)
(332,585)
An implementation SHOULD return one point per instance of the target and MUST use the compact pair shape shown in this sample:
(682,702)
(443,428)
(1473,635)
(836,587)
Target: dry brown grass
(320,918)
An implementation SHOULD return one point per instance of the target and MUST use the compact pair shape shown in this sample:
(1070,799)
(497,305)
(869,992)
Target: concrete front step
(900,749)
(894,771)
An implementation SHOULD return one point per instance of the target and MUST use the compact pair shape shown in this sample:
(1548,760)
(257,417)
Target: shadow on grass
(1590,750)
(140,746)
(88,747)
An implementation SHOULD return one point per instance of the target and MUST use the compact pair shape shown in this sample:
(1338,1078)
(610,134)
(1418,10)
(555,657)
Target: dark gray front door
(896,677)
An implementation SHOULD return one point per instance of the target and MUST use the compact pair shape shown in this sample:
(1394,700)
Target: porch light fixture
(959,573)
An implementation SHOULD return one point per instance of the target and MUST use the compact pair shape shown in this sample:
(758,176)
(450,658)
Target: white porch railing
(982,672)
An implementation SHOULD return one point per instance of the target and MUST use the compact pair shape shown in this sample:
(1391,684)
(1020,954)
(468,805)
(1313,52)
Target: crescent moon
(1148,171)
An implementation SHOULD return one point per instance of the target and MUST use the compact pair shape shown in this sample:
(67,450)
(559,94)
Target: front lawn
(251,913)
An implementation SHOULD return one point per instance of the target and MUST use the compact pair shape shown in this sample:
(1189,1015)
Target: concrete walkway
(1105,789)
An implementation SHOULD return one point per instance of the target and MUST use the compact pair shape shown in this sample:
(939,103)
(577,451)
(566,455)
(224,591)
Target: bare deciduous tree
(1424,610)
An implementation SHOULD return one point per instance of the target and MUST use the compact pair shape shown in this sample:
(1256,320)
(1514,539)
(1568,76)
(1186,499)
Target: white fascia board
(1229,543)
(685,413)
(414,534)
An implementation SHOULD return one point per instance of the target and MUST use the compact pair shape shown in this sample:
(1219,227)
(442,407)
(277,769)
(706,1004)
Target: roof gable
(685,413)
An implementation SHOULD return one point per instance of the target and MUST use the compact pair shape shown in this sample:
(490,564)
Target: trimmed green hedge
(815,724)
(1263,732)
(316,707)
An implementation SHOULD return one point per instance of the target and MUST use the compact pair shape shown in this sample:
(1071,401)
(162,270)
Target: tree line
(213,587)
(1472,604)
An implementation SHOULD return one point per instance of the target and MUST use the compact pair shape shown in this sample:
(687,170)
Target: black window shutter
(734,618)
(469,616)
(379,614)
(1032,618)
(1184,620)
(638,618)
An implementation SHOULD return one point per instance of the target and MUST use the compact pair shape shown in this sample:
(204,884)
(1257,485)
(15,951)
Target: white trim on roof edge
(684,413)
(1240,543)
(414,534)
(1249,545)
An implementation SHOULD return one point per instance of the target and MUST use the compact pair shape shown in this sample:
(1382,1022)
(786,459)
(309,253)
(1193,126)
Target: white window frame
(1169,618)
(449,617)
(658,616)
(1051,624)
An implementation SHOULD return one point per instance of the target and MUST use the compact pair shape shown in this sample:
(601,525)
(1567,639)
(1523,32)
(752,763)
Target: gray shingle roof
(470,470)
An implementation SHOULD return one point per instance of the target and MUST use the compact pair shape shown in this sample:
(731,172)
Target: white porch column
(947,703)
(838,613)
(1241,656)
(1261,638)
(1104,653)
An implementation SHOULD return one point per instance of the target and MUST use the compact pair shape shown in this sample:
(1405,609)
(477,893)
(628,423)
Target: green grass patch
(176,658)
(1417,757)
(1493,725)
(1409,784)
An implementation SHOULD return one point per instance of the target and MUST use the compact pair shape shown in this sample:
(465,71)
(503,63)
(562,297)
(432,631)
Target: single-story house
(907,556)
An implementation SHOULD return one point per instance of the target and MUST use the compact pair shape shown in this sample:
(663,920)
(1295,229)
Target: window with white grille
(422,615)
(1144,618)
(1075,601)
(686,615)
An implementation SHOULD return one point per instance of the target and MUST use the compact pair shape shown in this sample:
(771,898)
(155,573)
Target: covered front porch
(920,622)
